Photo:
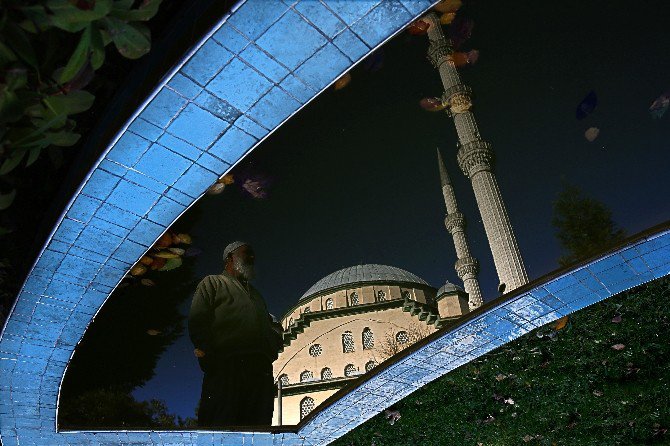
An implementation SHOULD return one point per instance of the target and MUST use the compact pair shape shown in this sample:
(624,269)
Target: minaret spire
(467,266)
(475,159)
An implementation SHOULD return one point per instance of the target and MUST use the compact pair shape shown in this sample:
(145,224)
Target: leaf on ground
(618,347)
(616,319)
(561,323)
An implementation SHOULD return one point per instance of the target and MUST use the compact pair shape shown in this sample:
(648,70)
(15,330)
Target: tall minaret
(475,159)
(467,266)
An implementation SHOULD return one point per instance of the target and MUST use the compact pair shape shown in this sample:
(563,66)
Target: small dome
(448,288)
(362,274)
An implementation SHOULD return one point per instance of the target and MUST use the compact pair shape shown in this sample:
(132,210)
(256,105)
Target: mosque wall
(291,406)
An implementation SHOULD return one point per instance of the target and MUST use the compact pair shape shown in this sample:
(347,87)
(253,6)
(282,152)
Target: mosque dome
(363,274)
(448,288)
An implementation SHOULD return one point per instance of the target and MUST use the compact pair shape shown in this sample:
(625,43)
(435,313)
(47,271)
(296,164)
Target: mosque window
(329,304)
(402,337)
(370,365)
(326,373)
(406,295)
(306,310)
(306,376)
(353,298)
(290,322)
(381,296)
(315,350)
(306,406)
(349,370)
(347,342)
(283,379)
(368,339)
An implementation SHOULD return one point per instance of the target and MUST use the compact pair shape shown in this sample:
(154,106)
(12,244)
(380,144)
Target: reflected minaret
(476,159)
(467,266)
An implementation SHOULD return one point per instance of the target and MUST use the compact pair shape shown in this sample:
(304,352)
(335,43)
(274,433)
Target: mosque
(355,318)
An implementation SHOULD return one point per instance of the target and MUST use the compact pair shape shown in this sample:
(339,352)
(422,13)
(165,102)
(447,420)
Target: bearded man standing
(235,342)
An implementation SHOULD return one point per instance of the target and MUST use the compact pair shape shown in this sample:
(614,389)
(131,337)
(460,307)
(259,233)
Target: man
(235,343)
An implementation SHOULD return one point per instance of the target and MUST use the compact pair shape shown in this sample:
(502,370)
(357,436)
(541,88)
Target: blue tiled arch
(255,69)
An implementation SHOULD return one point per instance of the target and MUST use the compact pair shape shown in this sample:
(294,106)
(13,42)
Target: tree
(391,345)
(584,226)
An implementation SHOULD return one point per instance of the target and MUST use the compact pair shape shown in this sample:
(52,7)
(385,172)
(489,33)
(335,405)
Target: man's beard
(245,270)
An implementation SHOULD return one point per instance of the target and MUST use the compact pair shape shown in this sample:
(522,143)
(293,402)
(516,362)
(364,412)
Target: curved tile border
(270,59)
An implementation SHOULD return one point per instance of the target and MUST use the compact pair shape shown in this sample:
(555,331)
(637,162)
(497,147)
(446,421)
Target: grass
(566,387)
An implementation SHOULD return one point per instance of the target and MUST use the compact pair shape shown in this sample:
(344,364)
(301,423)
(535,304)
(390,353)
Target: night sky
(355,172)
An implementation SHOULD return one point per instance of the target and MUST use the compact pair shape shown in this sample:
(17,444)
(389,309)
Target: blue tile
(146,129)
(561,283)
(274,108)
(605,263)
(68,230)
(195,181)
(321,17)
(298,89)
(98,241)
(185,87)
(284,48)
(179,197)
(163,108)
(162,164)
(86,254)
(324,67)
(230,38)
(351,45)
(390,13)
(351,11)
(201,68)
(417,6)
(78,267)
(108,227)
(212,163)
(49,314)
(128,149)
(132,198)
(251,127)
(269,67)
(50,260)
(165,211)
(239,84)
(100,184)
(143,180)
(110,276)
(113,168)
(616,274)
(57,246)
(218,107)
(179,146)
(197,126)
(146,232)
(36,285)
(83,208)
(232,145)
(255,16)
(120,217)
(129,252)
(118,264)
(658,258)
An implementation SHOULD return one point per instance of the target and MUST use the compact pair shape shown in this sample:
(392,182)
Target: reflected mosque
(355,318)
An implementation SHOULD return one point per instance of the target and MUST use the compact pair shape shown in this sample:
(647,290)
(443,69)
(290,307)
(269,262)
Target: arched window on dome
(347,342)
(402,337)
(406,295)
(329,304)
(306,376)
(326,373)
(381,296)
(315,350)
(370,365)
(368,339)
(306,406)
(353,298)
(283,379)
(349,370)
(306,310)
(290,322)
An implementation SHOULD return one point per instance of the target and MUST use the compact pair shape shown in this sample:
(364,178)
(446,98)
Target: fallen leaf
(138,270)
(147,282)
(561,323)
(500,377)
(598,393)
(164,241)
(392,416)
(343,81)
(618,347)
(216,189)
(152,332)
(616,319)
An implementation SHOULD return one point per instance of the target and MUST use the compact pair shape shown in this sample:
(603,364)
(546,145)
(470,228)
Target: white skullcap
(232,247)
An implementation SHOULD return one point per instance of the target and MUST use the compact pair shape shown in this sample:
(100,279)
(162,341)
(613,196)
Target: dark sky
(355,172)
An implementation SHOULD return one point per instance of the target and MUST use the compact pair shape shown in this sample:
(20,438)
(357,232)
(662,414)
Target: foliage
(584,226)
(390,346)
(568,388)
(49,51)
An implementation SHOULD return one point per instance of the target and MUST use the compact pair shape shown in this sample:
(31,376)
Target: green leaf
(10,107)
(68,17)
(6,54)
(7,199)
(132,40)
(97,48)
(79,57)
(71,103)
(63,138)
(33,155)
(13,161)
(147,10)
(18,41)
(171,264)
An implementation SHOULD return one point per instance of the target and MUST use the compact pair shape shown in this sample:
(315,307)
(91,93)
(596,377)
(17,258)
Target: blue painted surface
(254,70)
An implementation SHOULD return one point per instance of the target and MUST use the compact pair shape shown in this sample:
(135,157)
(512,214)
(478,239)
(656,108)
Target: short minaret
(467,266)
(476,159)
